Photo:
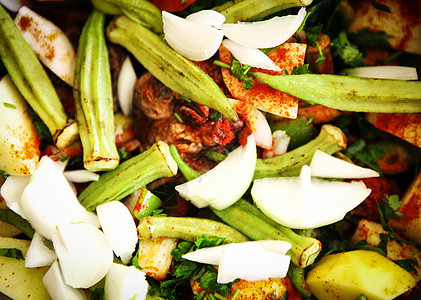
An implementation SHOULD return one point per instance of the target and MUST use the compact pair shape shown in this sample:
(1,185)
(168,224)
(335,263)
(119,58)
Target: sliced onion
(281,142)
(125,84)
(49,43)
(251,262)
(12,190)
(80,176)
(119,228)
(83,253)
(57,288)
(123,282)
(256,121)
(250,56)
(207,17)
(212,255)
(48,200)
(385,72)
(194,41)
(12,5)
(305,202)
(325,165)
(225,183)
(39,255)
(264,34)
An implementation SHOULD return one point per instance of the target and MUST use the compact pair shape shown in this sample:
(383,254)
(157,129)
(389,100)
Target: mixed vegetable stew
(210,149)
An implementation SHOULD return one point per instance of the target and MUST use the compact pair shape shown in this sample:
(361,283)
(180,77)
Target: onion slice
(385,72)
(39,255)
(123,282)
(83,253)
(119,228)
(264,34)
(194,41)
(125,86)
(80,176)
(57,288)
(12,190)
(49,43)
(306,202)
(12,5)
(207,17)
(328,166)
(250,56)
(226,183)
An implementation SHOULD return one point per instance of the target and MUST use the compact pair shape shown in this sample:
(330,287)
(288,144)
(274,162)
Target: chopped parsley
(9,105)
(12,253)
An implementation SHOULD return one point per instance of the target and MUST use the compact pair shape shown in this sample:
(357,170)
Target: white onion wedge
(225,183)
(305,202)
(39,255)
(125,84)
(194,41)
(12,190)
(264,34)
(207,17)
(57,288)
(212,255)
(385,72)
(119,228)
(256,121)
(49,43)
(83,252)
(12,5)
(281,142)
(328,166)
(250,56)
(123,282)
(80,176)
(48,200)
(251,262)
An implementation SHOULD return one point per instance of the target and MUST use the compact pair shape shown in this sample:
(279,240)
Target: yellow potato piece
(348,275)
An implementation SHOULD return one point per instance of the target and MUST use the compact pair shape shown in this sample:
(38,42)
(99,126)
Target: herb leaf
(365,37)
(12,253)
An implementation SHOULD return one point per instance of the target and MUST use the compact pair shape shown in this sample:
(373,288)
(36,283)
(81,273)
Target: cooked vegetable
(246,10)
(93,97)
(152,164)
(19,150)
(17,281)
(250,221)
(348,275)
(141,11)
(146,203)
(349,93)
(33,82)
(188,172)
(330,140)
(186,228)
(39,254)
(173,70)
(119,283)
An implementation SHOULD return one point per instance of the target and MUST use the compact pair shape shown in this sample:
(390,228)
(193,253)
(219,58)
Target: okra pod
(141,11)
(173,70)
(33,83)
(188,172)
(187,228)
(330,140)
(93,97)
(129,176)
(349,93)
(20,223)
(146,203)
(248,10)
(253,223)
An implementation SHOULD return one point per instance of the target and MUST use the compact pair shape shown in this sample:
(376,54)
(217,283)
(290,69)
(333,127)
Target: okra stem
(251,222)
(20,223)
(349,93)
(247,10)
(330,140)
(93,97)
(33,82)
(186,228)
(173,70)
(188,172)
(129,176)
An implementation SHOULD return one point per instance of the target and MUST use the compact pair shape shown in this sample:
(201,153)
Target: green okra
(187,228)
(173,70)
(146,203)
(129,176)
(33,83)
(349,93)
(141,11)
(253,223)
(250,10)
(188,172)
(330,140)
(93,97)
(20,223)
